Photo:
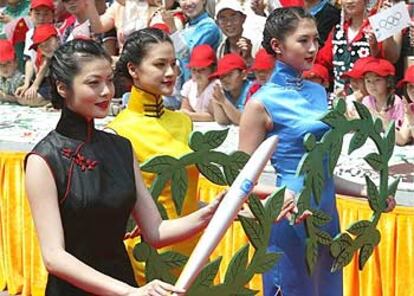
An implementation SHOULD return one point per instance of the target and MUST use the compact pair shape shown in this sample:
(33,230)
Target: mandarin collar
(286,76)
(75,126)
(145,103)
(198,18)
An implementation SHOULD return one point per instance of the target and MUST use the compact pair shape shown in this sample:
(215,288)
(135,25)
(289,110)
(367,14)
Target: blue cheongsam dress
(295,106)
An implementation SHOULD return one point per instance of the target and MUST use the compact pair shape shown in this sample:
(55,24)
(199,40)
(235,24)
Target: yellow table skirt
(390,271)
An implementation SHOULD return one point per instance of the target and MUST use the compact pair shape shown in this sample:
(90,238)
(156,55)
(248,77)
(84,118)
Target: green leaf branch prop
(361,236)
(221,169)
(207,160)
(239,271)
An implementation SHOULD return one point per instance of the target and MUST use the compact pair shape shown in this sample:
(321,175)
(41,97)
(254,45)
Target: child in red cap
(381,100)
(406,132)
(318,74)
(229,97)
(354,89)
(10,76)
(45,41)
(198,91)
(41,12)
(262,68)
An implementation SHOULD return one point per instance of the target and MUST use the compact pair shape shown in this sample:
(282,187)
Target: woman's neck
(381,102)
(357,21)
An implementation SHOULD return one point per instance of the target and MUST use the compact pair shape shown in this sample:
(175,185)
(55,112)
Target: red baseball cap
(202,56)
(228,63)
(357,70)
(291,3)
(263,61)
(408,77)
(318,71)
(7,53)
(162,27)
(380,67)
(42,33)
(47,3)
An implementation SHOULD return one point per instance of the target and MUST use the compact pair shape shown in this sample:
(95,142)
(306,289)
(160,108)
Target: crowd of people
(172,63)
(220,64)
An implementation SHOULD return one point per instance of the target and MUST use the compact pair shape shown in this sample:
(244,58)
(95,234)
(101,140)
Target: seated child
(45,42)
(198,91)
(381,99)
(41,12)
(405,135)
(10,77)
(355,86)
(229,97)
(262,68)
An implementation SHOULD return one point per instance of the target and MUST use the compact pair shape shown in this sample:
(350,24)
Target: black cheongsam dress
(94,176)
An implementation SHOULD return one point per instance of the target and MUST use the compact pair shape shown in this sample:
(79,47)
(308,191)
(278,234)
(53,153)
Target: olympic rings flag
(227,211)
(390,21)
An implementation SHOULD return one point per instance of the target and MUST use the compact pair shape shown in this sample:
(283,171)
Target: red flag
(19,33)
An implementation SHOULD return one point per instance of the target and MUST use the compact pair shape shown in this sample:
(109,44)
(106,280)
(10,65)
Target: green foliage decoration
(361,236)
(221,169)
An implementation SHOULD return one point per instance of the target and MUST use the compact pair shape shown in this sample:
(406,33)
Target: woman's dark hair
(67,62)
(136,47)
(280,23)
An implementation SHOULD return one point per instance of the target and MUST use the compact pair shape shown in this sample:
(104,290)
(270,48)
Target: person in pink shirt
(381,99)
(198,91)
(405,134)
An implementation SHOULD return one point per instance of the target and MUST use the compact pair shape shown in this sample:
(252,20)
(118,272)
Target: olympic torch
(226,212)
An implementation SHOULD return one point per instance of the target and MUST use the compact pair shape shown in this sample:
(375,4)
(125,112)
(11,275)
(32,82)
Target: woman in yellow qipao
(148,59)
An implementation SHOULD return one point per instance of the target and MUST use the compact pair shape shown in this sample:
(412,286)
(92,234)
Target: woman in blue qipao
(290,108)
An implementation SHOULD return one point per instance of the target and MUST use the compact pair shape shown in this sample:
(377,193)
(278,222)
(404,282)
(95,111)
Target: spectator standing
(230,17)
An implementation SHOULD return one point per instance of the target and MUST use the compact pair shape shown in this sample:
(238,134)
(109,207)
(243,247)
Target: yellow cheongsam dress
(153,131)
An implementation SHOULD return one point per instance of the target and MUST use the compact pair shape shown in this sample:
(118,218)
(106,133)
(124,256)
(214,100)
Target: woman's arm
(254,124)
(99,23)
(43,199)
(158,232)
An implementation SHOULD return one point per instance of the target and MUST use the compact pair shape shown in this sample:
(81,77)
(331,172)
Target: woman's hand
(391,203)
(133,233)
(156,288)
(289,209)
(208,211)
